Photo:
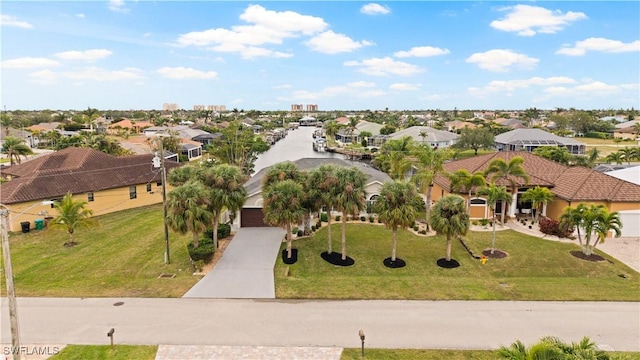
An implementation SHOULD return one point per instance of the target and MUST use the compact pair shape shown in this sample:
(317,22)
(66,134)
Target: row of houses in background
(111,184)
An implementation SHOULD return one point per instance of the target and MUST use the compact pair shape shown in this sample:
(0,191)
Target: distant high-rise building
(169,107)
(198,107)
(312,107)
(297,107)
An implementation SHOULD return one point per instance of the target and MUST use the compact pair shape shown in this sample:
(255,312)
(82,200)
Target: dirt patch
(497,254)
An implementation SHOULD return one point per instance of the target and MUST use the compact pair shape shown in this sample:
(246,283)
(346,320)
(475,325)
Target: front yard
(536,269)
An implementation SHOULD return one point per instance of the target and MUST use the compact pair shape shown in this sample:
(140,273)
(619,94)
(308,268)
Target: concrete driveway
(245,270)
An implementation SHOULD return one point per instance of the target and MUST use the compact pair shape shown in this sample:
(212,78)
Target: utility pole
(167,259)
(11,293)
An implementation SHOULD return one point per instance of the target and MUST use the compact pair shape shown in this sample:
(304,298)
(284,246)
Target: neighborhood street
(387,324)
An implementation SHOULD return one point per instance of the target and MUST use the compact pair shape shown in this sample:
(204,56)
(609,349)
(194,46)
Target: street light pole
(8,273)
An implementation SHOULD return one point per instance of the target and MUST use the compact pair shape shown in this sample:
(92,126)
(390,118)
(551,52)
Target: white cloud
(28,63)
(507,86)
(80,15)
(7,20)
(599,44)
(266,27)
(182,73)
(421,51)
(527,20)
(361,84)
(385,66)
(118,5)
(404,86)
(43,77)
(329,42)
(86,55)
(502,60)
(375,9)
(99,74)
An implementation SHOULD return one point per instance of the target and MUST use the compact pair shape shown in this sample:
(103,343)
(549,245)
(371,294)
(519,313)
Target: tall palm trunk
(448,247)
(493,236)
(329,231)
(344,236)
(395,243)
(216,219)
(428,207)
(196,240)
(289,241)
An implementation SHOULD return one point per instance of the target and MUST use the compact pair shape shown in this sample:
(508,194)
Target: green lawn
(413,354)
(535,269)
(104,352)
(122,257)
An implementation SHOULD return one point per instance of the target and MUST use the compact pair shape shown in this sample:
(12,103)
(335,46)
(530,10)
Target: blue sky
(339,55)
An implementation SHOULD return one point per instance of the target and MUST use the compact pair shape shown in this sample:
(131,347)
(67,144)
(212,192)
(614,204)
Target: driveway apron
(245,270)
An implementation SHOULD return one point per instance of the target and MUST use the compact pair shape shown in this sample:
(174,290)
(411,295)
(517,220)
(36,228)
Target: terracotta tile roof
(78,170)
(569,183)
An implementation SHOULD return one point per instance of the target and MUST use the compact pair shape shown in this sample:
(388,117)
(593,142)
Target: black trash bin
(26,226)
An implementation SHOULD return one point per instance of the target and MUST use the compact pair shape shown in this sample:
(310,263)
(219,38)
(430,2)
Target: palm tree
(5,122)
(321,182)
(429,165)
(331,129)
(553,348)
(508,172)
(14,148)
(187,209)
(286,170)
(628,154)
(395,209)
(538,196)
(226,191)
(72,215)
(616,157)
(606,222)
(449,217)
(283,206)
(349,198)
(463,180)
(592,219)
(494,193)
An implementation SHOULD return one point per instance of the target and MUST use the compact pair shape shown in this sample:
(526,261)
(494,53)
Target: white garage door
(630,223)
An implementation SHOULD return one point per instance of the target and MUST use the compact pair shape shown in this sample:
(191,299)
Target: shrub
(423,232)
(484,222)
(371,219)
(224,230)
(300,233)
(596,135)
(474,222)
(415,228)
(362,218)
(337,217)
(553,227)
(313,228)
(323,217)
(318,224)
(203,252)
(413,223)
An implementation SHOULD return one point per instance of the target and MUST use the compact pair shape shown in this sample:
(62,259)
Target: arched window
(478,201)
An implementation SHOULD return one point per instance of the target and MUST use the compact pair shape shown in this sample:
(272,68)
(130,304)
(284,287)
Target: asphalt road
(386,324)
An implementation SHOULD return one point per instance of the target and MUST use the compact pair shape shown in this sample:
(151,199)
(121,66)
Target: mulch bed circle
(497,254)
(592,257)
(443,263)
(292,259)
(336,259)
(394,264)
